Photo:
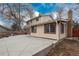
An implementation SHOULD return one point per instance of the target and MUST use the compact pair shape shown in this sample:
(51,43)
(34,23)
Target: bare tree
(13,12)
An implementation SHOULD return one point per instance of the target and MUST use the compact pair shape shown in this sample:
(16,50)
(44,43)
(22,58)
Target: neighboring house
(4,29)
(46,27)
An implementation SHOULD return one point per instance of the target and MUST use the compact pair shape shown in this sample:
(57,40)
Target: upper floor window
(37,19)
(50,28)
(27,23)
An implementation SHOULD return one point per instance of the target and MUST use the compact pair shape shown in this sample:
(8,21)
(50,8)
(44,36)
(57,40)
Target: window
(46,28)
(62,28)
(31,21)
(33,29)
(53,27)
(37,19)
(27,23)
(50,28)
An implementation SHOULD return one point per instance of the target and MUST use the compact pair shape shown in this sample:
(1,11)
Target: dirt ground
(65,48)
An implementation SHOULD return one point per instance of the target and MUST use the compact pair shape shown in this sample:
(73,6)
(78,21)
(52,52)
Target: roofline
(34,18)
(42,16)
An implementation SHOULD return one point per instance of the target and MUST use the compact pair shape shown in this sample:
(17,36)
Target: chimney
(70,15)
(69,25)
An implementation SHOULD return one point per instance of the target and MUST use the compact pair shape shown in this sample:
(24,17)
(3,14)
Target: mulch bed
(65,48)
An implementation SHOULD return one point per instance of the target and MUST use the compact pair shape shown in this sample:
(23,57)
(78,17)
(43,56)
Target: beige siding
(65,33)
(42,20)
(40,28)
(58,35)
(40,33)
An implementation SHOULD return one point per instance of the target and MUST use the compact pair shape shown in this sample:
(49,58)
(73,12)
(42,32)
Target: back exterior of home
(46,27)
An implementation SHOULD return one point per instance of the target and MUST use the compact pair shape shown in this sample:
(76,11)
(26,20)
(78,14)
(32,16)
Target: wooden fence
(6,34)
(75,32)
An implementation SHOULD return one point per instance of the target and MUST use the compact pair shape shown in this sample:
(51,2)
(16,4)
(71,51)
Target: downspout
(58,30)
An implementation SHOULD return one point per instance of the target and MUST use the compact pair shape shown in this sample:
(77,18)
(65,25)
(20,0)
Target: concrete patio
(24,45)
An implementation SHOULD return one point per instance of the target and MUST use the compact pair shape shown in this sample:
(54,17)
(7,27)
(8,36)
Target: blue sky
(66,7)
(45,8)
(49,7)
(74,8)
(5,22)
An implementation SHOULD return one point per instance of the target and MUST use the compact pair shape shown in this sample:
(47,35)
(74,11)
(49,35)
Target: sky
(74,8)
(7,23)
(66,7)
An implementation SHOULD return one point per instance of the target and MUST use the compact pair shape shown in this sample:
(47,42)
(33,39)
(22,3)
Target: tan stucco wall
(40,33)
(42,20)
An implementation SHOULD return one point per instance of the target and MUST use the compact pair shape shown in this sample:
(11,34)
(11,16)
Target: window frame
(33,29)
(37,19)
(49,27)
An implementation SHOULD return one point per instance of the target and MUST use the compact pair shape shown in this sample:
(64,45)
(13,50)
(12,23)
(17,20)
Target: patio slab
(23,45)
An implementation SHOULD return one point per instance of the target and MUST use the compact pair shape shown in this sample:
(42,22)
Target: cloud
(75,8)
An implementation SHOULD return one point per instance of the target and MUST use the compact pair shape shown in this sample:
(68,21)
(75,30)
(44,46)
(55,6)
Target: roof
(43,20)
(45,16)
(4,27)
(34,18)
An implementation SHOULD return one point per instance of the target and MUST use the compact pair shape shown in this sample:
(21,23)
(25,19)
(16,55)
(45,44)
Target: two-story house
(46,27)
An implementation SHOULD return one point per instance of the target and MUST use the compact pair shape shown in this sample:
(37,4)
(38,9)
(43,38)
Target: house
(4,29)
(46,27)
